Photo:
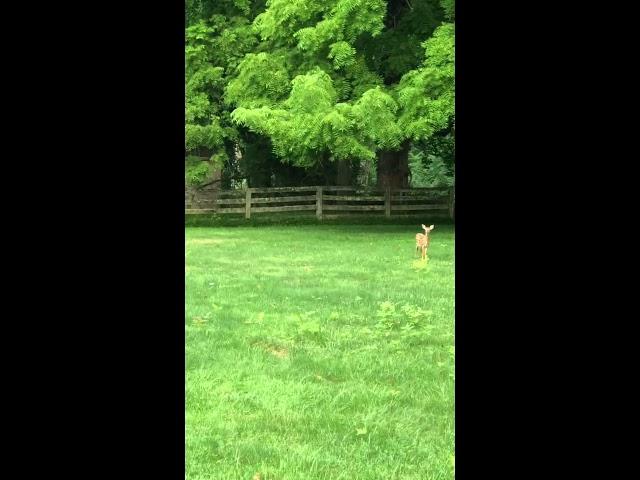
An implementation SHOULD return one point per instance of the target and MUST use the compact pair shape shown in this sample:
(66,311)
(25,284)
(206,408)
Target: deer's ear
(424,226)
(431,227)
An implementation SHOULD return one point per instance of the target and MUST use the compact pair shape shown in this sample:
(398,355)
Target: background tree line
(320,92)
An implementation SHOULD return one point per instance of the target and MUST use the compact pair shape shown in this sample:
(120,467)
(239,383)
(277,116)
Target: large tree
(318,88)
(218,36)
(348,80)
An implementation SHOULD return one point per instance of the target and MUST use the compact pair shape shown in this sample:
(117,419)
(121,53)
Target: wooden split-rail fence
(329,202)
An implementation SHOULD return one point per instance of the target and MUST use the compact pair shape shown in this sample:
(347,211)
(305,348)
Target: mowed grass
(319,352)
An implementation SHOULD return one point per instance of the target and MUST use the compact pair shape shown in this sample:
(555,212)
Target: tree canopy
(318,81)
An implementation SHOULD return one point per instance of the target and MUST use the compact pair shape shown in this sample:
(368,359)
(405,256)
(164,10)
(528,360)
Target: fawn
(422,240)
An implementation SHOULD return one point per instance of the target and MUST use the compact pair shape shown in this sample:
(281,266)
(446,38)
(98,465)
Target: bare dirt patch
(275,350)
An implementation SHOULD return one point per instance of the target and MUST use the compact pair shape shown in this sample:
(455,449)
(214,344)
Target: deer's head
(427,229)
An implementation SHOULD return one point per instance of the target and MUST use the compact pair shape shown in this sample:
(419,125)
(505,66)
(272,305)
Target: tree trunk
(257,162)
(344,173)
(393,167)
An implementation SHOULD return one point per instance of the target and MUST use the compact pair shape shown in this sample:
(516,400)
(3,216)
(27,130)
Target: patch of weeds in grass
(408,320)
(387,316)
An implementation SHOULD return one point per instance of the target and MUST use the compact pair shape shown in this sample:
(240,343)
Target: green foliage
(345,114)
(375,114)
(305,123)
(207,136)
(441,145)
(203,81)
(426,95)
(317,23)
(311,121)
(432,161)
(409,321)
(196,10)
(198,174)
(360,78)
(449,7)
(398,49)
(342,54)
(419,171)
(429,170)
(323,80)
(261,80)
(197,171)
(311,93)
(215,45)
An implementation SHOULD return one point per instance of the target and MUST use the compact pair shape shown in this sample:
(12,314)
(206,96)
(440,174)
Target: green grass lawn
(319,352)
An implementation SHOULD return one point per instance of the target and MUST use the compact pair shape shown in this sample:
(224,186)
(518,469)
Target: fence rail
(333,200)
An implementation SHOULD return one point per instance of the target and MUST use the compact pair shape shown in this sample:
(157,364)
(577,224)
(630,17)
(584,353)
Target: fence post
(387,202)
(247,204)
(319,203)
(452,200)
